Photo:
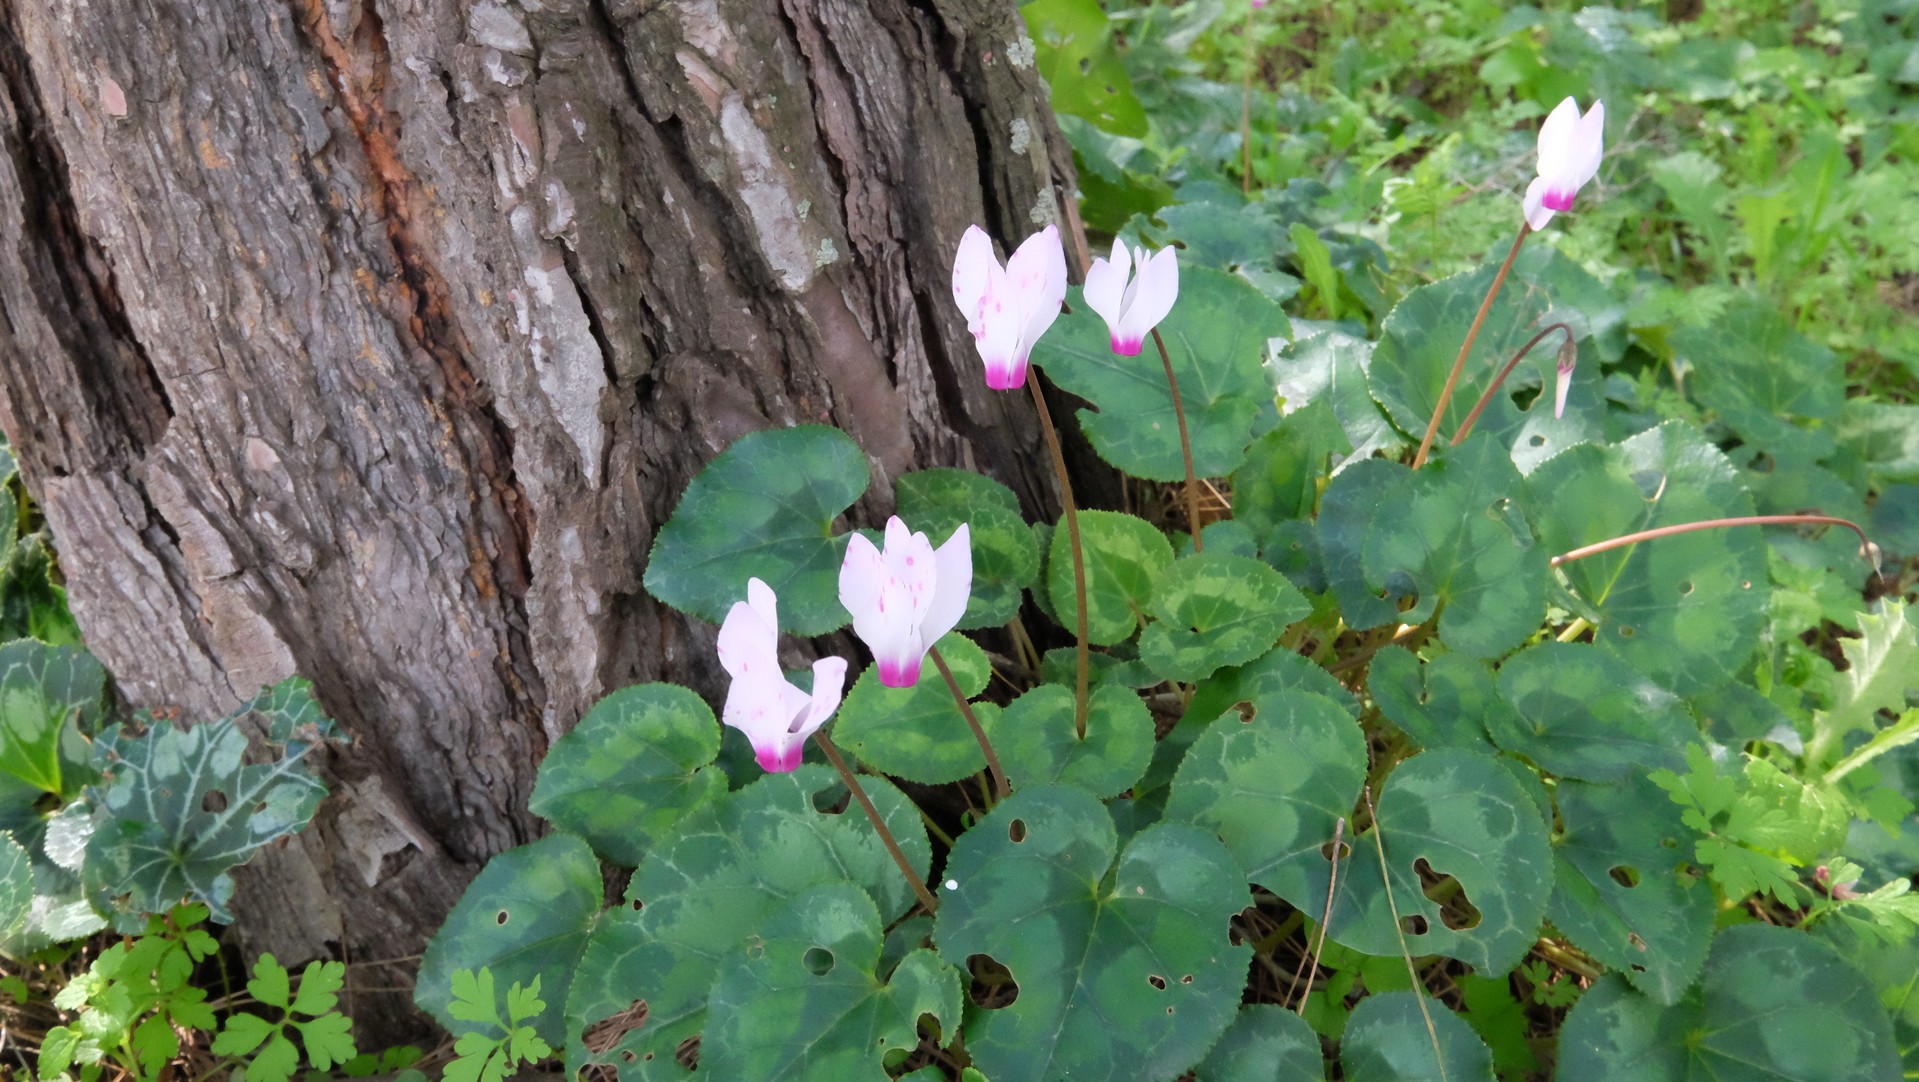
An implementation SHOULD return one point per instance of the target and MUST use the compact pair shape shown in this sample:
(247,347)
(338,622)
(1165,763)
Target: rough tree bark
(372,340)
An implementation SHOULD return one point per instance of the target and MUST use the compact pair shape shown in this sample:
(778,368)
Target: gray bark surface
(373,339)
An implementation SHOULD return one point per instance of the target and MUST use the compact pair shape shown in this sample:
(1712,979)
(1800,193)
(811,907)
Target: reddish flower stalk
(927,901)
(1866,548)
(1185,445)
(1485,399)
(1082,657)
(1001,788)
(1466,347)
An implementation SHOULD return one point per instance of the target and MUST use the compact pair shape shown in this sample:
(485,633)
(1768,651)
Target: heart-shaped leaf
(1265,1043)
(1685,610)
(1353,499)
(526,916)
(1124,971)
(763,508)
(723,872)
(918,733)
(1005,553)
(1036,743)
(1215,609)
(49,695)
(1624,891)
(1387,1040)
(1216,338)
(1453,535)
(1271,783)
(179,808)
(1583,713)
(1760,375)
(1449,701)
(1124,556)
(807,999)
(633,766)
(1773,1004)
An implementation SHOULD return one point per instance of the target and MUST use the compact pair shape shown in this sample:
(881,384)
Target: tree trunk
(373,339)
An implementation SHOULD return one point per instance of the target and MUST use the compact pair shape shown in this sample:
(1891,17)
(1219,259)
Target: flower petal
(1589,145)
(1534,206)
(1157,287)
(954,563)
(750,635)
(1556,137)
(1106,285)
(829,684)
(1036,274)
(972,274)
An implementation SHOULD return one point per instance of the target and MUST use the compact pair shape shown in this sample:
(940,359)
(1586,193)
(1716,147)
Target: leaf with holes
(1461,819)
(179,808)
(918,733)
(1074,50)
(1271,784)
(1216,339)
(1005,553)
(705,890)
(806,999)
(1684,611)
(1453,537)
(763,508)
(1773,1004)
(1625,892)
(526,917)
(1265,1043)
(1037,745)
(1124,556)
(1449,701)
(1583,713)
(638,761)
(1387,1040)
(1123,971)
(1215,609)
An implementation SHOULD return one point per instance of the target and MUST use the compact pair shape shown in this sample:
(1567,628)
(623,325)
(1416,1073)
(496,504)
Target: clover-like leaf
(1452,536)
(1271,782)
(1624,891)
(1123,971)
(1685,610)
(1773,1004)
(704,891)
(1216,338)
(805,999)
(1124,556)
(763,508)
(1464,817)
(1387,1040)
(1005,553)
(179,808)
(1265,1043)
(526,916)
(918,733)
(1583,713)
(634,765)
(1215,609)
(1035,739)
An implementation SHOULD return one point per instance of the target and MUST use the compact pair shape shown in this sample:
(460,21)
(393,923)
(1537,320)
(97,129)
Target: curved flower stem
(927,901)
(1083,660)
(1866,548)
(1185,444)
(1479,407)
(1459,363)
(1001,789)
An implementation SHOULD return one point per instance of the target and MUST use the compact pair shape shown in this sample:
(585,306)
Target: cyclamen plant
(1477,727)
